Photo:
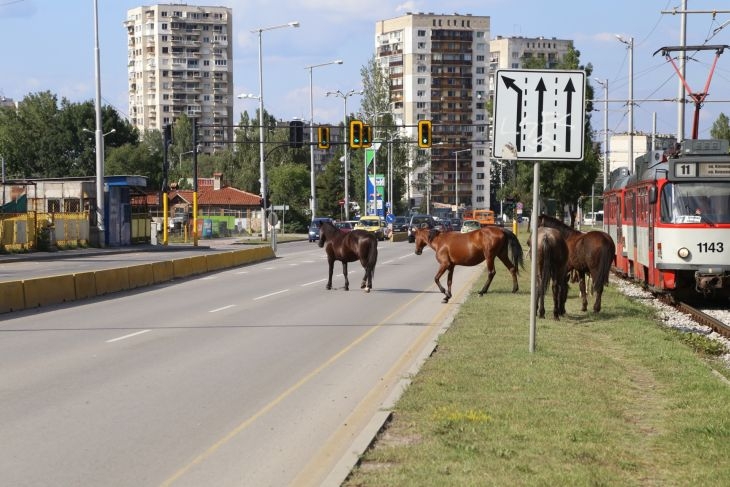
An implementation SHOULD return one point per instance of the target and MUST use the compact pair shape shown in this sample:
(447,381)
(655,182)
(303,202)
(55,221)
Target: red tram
(671,219)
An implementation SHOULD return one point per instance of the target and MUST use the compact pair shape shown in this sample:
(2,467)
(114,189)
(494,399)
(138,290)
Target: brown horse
(552,265)
(349,247)
(469,249)
(590,252)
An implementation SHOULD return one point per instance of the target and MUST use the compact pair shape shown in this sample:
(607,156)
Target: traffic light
(424,134)
(296,134)
(355,134)
(366,136)
(323,137)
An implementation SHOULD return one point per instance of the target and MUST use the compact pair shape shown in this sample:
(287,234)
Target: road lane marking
(127,336)
(222,308)
(271,294)
(312,282)
(293,388)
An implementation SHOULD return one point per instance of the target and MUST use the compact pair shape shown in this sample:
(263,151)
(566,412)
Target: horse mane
(433,233)
(552,222)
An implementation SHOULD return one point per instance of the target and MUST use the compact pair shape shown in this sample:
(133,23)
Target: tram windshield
(696,203)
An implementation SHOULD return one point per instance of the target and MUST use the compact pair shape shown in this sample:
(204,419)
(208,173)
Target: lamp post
(262,168)
(630,46)
(312,200)
(99,137)
(604,84)
(345,96)
(456,186)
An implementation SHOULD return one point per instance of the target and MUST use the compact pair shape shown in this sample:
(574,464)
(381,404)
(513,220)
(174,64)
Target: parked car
(400,224)
(373,224)
(314,228)
(470,225)
(345,226)
(418,221)
(456,224)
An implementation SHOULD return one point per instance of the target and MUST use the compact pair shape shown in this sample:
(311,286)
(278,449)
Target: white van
(594,219)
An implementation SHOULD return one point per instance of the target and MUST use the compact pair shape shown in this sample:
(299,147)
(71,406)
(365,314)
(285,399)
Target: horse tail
(514,249)
(372,256)
(547,259)
(604,268)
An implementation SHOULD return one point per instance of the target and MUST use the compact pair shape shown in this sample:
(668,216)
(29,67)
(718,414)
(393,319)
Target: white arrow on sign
(539,114)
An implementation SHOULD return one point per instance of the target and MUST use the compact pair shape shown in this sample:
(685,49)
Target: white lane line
(221,309)
(313,282)
(127,336)
(271,294)
(242,272)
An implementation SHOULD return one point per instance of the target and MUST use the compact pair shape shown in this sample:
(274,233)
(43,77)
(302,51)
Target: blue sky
(49,45)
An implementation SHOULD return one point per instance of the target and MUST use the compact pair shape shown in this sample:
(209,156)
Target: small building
(229,209)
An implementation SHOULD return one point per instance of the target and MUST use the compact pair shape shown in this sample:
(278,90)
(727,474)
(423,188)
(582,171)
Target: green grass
(608,399)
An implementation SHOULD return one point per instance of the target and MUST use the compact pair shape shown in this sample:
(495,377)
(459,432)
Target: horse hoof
(367,289)
(328,288)
(445,300)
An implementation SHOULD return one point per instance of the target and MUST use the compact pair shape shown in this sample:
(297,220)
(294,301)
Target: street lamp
(98,133)
(630,46)
(604,84)
(345,96)
(262,168)
(456,186)
(312,201)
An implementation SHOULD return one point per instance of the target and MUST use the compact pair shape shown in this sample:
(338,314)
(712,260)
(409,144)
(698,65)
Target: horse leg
(449,279)
(557,298)
(512,270)
(583,294)
(563,293)
(436,278)
(541,286)
(344,273)
(331,263)
(490,275)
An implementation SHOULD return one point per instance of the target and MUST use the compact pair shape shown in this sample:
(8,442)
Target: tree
(42,139)
(721,128)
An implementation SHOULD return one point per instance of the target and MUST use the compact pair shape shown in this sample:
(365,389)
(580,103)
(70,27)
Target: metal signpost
(538,115)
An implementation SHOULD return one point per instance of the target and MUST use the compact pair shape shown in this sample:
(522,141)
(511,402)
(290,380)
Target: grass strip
(607,399)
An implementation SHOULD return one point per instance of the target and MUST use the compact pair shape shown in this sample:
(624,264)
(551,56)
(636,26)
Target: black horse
(349,247)
(552,265)
(588,253)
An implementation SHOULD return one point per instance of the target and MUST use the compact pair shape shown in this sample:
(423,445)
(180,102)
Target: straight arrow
(569,89)
(540,100)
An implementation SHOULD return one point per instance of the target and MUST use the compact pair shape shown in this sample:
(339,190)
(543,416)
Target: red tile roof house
(240,210)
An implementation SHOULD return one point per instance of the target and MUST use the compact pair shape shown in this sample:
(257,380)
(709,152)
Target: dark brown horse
(552,265)
(349,247)
(469,249)
(590,252)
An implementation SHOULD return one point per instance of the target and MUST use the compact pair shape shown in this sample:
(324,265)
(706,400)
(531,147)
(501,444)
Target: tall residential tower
(437,67)
(180,61)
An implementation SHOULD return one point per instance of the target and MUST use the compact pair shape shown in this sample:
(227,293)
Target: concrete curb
(45,291)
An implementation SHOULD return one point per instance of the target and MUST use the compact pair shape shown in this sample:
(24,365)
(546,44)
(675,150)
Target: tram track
(704,318)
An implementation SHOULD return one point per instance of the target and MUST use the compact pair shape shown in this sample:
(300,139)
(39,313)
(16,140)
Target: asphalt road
(252,376)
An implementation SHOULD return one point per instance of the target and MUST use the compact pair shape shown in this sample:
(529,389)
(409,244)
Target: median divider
(111,281)
(44,291)
(13,298)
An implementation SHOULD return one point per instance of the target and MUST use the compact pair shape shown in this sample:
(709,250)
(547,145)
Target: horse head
(421,239)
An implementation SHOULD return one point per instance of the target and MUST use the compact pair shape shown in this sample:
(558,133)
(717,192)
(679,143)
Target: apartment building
(180,61)
(437,68)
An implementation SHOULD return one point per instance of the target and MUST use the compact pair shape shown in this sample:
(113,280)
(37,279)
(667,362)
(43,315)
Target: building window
(421,33)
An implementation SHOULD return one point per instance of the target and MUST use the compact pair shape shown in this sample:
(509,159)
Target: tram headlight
(683,252)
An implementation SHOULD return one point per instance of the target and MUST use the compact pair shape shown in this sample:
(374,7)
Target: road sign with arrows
(539,114)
